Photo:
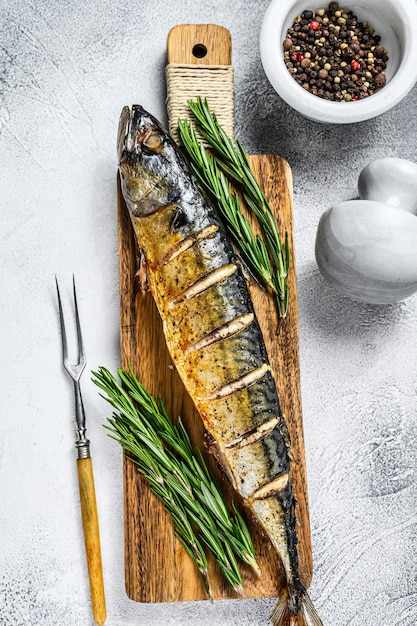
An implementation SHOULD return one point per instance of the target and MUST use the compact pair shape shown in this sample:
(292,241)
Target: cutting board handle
(199,44)
(199,64)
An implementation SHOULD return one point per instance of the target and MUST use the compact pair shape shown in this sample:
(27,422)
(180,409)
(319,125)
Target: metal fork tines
(75,370)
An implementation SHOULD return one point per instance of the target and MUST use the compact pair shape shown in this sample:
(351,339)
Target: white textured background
(66,70)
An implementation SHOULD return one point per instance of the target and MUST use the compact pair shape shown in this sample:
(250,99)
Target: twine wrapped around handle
(187,82)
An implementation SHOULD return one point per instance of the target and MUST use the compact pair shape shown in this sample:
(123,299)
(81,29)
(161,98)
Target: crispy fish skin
(213,336)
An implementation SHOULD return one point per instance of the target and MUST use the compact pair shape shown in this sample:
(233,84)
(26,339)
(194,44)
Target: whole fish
(213,336)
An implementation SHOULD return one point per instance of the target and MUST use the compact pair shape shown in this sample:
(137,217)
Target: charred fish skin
(213,335)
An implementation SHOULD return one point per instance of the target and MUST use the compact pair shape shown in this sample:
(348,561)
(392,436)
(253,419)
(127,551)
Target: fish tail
(294,610)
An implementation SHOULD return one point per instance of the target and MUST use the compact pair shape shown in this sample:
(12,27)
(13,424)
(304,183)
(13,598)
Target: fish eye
(153,141)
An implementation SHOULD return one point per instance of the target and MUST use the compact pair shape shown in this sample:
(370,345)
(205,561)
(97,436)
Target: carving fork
(85,471)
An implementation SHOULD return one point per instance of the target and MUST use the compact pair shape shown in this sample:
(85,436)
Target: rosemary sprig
(178,476)
(154,474)
(266,256)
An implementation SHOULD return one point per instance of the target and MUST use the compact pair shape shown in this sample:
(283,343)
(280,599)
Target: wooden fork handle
(92,538)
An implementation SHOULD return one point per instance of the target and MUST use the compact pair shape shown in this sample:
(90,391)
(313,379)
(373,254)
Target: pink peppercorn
(300,56)
(355,65)
(314,25)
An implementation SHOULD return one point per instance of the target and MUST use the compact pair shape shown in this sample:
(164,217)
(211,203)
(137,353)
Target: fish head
(148,162)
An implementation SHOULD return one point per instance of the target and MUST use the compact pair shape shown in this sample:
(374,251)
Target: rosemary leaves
(177,475)
(222,171)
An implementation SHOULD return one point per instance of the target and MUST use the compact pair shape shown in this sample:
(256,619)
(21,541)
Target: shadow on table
(326,311)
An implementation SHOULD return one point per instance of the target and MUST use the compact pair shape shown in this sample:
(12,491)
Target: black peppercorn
(380,80)
(347,53)
(379,51)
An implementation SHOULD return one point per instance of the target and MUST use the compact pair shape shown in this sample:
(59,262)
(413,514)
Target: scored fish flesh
(213,336)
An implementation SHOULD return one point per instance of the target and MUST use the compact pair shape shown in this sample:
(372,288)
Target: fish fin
(141,272)
(214,449)
(248,273)
(286,437)
(286,613)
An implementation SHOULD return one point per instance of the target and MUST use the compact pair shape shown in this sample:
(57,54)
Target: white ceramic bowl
(394,20)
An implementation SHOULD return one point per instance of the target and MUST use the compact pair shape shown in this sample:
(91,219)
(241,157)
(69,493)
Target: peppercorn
(347,53)
(380,80)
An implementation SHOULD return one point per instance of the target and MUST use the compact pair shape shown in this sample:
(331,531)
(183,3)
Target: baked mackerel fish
(213,336)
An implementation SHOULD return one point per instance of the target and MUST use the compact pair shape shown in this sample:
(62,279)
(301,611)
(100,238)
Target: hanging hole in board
(199,50)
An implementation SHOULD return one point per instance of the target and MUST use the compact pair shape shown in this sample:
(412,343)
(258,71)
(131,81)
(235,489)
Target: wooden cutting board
(157,567)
